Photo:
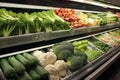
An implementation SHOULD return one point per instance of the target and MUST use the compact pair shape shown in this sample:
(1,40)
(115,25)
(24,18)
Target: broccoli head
(64,54)
(83,56)
(74,63)
(69,45)
(63,50)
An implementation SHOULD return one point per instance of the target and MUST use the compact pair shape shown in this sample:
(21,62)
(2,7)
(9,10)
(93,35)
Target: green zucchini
(44,75)
(34,75)
(8,70)
(31,58)
(23,60)
(25,76)
(19,67)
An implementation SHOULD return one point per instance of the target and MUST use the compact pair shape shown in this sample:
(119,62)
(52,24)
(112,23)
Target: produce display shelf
(96,4)
(86,70)
(45,36)
(91,70)
(94,29)
(92,66)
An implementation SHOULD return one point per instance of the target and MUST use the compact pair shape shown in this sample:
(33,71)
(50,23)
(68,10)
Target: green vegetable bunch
(8,22)
(74,59)
(80,45)
(104,18)
(63,50)
(101,46)
(92,54)
(12,23)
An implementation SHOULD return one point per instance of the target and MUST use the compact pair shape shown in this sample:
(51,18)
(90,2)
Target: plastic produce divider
(95,47)
(102,41)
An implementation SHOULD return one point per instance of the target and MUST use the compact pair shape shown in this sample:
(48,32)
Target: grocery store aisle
(112,73)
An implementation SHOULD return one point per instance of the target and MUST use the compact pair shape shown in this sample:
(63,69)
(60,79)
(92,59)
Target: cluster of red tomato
(69,16)
(118,14)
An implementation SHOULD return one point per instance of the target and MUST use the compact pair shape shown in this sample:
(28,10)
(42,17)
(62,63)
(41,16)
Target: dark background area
(112,73)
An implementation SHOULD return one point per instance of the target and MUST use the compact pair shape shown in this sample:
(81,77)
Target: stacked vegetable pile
(56,68)
(69,16)
(85,48)
(23,67)
(65,51)
(80,19)
(62,59)
(103,18)
(12,23)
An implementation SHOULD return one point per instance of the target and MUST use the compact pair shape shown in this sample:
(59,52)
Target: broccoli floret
(62,25)
(27,22)
(63,50)
(64,55)
(74,63)
(48,25)
(8,21)
(69,45)
(37,24)
(7,15)
(52,22)
(8,26)
(78,53)
(83,56)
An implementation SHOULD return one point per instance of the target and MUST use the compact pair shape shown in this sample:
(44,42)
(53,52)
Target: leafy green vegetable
(92,54)
(7,22)
(12,23)
(101,46)
(80,45)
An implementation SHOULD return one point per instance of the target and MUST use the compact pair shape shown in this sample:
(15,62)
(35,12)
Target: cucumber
(44,75)
(34,75)
(23,60)
(25,76)
(31,58)
(8,70)
(19,67)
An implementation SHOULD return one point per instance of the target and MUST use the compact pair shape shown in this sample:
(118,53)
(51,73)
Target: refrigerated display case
(44,41)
